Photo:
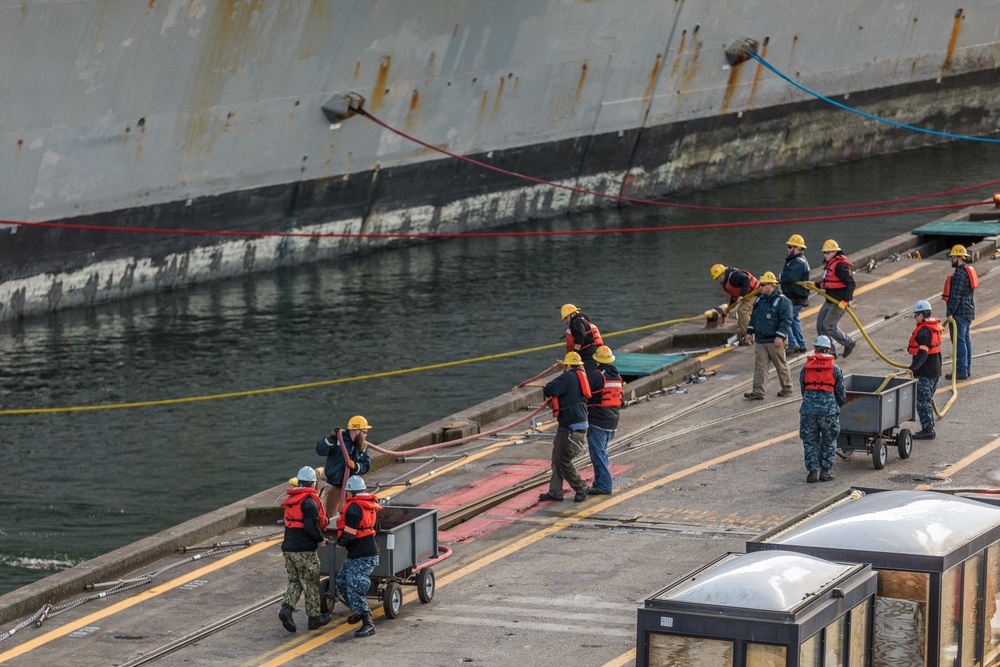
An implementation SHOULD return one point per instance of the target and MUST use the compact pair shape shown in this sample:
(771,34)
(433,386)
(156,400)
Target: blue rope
(868,115)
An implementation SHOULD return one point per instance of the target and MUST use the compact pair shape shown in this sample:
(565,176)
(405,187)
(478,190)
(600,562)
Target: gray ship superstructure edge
(207,116)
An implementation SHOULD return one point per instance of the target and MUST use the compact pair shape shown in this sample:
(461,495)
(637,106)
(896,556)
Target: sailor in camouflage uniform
(356,526)
(925,347)
(823,394)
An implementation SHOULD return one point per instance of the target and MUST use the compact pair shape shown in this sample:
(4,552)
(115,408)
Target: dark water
(75,485)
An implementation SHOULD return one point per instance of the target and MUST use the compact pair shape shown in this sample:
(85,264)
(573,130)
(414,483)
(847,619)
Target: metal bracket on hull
(342,106)
(738,50)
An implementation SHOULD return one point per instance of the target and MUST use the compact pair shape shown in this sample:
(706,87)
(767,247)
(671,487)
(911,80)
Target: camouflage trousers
(303,575)
(354,580)
(925,402)
(819,439)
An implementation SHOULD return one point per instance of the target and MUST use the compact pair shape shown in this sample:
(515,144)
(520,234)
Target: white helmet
(355,483)
(822,341)
(306,474)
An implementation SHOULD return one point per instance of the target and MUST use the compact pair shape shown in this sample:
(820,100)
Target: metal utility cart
(875,408)
(407,540)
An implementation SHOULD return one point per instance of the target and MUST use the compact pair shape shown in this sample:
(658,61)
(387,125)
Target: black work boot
(813,476)
(285,614)
(367,628)
(924,434)
(319,621)
(354,618)
(825,475)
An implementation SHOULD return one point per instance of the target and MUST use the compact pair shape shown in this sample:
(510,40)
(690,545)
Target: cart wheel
(392,599)
(904,441)
(879,453)
(325,603)
(425,585)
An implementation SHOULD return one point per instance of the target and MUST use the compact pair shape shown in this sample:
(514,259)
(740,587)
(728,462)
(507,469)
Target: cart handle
(445,553)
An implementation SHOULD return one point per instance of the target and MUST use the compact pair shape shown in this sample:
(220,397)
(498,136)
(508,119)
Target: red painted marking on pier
(507,512)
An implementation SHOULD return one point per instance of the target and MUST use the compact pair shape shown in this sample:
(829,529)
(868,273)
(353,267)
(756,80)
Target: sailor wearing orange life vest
(823,393)
(582,335)
(838,282)
(737,283)
(605,402)
(569,393)
(958,294)
(925,347)
(356,533)
(305,521)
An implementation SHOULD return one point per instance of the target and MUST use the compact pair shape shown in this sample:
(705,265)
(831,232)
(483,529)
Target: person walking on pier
(925,347)
(770,323)
(838,283)
(344,451)
(305,521)
(569,393)
(961,308)
(582,336)
(796,270)
(823,394)
(603,407)
(737,283)
(356,533)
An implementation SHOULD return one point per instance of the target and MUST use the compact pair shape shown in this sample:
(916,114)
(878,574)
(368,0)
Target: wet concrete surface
(537,582)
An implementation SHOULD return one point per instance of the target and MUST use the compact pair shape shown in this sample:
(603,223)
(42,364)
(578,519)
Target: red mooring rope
(569,232)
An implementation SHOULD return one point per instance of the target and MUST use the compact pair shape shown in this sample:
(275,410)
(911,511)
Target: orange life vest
(592,337)
(584,386)
(369,514)
(733,290)
(934,324)
(973,282)
(293,507)
(611,395)
(819,372)
(830,280)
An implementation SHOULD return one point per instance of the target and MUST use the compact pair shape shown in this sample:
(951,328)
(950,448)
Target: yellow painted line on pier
(91,619)
(892,277)
(990,314)
(622,660)
(965,461)
(542,533)
(980,330)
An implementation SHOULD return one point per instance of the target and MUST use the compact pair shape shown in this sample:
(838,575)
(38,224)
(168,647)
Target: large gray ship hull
(192,115)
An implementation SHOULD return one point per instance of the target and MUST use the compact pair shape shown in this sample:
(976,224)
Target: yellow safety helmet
(830,245)
(717,270)
(573,359)
(797,241)
(603,355)
(768,279)
(959,251)
(567,310)
(358,423)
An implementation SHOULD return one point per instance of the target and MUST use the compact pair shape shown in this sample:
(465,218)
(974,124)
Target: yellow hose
(954,348)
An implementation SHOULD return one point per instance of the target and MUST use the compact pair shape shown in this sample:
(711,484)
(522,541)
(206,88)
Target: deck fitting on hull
(738,51)
(342,106)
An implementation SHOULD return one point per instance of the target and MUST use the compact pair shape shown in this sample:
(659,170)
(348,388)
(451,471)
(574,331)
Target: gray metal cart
(407,540)
(875,408)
